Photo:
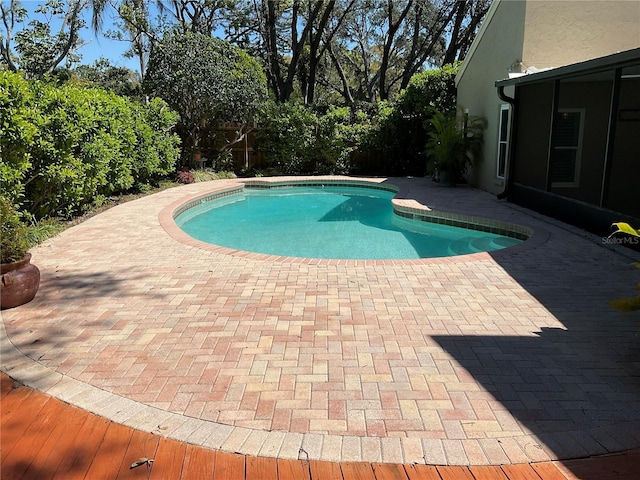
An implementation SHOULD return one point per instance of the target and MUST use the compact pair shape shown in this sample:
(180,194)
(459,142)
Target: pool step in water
(484,244)
(468,245)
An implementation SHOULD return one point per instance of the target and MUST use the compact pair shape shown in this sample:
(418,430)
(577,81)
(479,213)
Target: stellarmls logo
(621,240)
(630,236)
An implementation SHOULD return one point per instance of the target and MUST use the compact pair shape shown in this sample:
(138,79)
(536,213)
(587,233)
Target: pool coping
(403,207)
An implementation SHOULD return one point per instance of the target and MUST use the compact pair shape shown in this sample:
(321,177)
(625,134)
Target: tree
(198,16)
(320,38)
(282,82)
(134,26)
(361,50)
(386,42)
(467,16)
(394,20)
(379,45)
(119,80)
(138,25)
(353,55)
(37,50)
(289,36)
(206,80)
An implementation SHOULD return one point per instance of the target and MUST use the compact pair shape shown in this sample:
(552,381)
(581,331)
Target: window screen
(565,157)
(503,141)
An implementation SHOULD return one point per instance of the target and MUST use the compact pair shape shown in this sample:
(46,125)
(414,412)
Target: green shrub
(342,131)
(156,150)
(223,161)
(429,92)
(208,174)
(13,239)
(405,128)
(64,148)
(19,124)
(297,140)
(43,230)
(287,138)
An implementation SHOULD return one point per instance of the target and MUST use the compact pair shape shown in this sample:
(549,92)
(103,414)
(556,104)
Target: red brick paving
(509,357)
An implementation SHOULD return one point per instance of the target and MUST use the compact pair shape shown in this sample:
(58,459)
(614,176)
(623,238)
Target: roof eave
(600,64)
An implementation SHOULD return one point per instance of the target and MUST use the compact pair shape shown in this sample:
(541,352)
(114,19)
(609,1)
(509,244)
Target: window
(503,140)
(567,148)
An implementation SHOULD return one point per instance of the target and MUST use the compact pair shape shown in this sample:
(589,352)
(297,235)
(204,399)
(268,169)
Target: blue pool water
(328,222)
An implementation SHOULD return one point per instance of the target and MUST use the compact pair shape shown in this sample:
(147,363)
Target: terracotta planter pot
(20,282)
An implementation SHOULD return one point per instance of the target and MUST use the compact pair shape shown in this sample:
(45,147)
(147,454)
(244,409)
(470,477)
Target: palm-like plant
(455,142)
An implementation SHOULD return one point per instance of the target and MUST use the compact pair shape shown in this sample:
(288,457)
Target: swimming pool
(328,221)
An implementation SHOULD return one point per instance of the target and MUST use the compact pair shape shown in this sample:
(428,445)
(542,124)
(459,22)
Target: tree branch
(392,29)
(72,18)
(5,47)
(346,91)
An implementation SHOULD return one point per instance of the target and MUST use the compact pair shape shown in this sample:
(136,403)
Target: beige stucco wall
(503,36)
(541,34)
(561,32)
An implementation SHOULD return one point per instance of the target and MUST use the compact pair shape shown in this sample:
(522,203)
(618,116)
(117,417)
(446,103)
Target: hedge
(65,148)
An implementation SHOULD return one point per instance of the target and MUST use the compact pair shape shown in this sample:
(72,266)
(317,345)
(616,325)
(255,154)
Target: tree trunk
(346,90)
(462,37)
(386,51)
(272,49)
(314,48)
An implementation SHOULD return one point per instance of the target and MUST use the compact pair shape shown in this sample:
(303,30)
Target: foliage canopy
(65,148)
(38,50)
(205,80)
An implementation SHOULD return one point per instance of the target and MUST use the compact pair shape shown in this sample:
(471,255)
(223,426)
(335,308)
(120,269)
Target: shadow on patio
(576,389)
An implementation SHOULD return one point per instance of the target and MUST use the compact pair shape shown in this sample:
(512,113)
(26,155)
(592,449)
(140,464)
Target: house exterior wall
(625,171)
(502,42)
(534,127)
(594,99)
(532,150)
(560,33)
(540,34)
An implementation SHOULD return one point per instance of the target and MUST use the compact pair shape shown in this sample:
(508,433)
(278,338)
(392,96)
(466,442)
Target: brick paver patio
(511,357)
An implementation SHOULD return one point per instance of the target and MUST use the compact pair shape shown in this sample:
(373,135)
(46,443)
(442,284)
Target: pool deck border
(402,207)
